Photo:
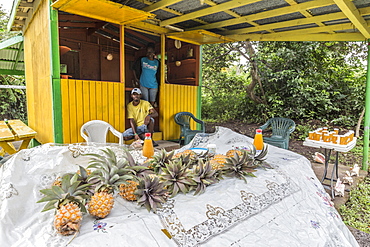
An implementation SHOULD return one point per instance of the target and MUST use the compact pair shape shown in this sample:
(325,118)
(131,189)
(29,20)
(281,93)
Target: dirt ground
(297,146)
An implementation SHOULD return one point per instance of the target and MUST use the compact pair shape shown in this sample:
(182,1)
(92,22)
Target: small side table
(328,148)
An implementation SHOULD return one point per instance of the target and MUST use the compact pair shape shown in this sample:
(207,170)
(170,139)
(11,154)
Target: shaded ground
(295,145)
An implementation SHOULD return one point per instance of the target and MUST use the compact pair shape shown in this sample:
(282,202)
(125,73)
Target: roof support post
(55,77)
(365,159)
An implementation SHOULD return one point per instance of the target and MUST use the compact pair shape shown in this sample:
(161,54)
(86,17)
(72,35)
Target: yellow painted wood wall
(173,99)
(83,101)
(37,46)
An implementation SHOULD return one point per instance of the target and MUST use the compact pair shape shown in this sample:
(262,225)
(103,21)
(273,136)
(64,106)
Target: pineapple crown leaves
(161,159)
(261,157)
(110,171)
(204,175)
(177,178)
(135,169)
(240,166)
(188,159)
(70,191)
(151,193)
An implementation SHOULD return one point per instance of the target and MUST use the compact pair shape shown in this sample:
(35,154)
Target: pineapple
(218,161)
(185,153)
(110,172)
(231,152)
(244,165)
(127,190)
(151,193)
(204,175)
(176,177)
(69,201)
(160,160)
(57,182)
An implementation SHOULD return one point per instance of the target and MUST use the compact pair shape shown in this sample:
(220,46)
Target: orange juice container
(148,149)
(258,140)
(335,139)
(317,136)
(326,137)
(325,128)
(336,130)
(318,130)
(311,135)
(351,135)
(343,139)
(324,132)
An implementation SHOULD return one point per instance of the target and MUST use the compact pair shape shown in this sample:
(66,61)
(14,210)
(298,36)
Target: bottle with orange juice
(148,149)
(258,140)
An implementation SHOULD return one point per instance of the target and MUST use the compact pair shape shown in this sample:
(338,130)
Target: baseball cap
(136,90)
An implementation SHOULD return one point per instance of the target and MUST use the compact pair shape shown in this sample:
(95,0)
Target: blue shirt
(148,72)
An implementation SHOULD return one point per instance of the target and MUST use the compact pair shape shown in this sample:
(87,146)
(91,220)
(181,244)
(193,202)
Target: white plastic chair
(97,130)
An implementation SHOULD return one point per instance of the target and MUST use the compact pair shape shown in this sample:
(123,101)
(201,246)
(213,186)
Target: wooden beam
(26,5)
(230,12)
(291,23)
(300,37)
(268,14)
(306,31)
(306,13)
(77,24)
(135,42)
(21,14)
(353,14)
(139,35)
(149,27)
(65,17)
(207,11)
(160,5)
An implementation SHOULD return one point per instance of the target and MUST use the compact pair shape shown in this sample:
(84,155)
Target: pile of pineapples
(164,175)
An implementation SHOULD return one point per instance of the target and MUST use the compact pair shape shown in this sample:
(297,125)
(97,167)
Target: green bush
(13,104)
(356,212)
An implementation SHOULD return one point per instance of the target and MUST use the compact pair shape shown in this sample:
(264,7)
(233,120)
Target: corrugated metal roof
(11,56)
(290,20)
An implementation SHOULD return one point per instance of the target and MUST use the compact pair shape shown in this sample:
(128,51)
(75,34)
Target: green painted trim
(11,72)
(34,143)
(199,93)
(365,159)
(55,77)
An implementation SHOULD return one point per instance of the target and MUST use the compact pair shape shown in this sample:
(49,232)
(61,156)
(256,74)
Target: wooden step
(157,136)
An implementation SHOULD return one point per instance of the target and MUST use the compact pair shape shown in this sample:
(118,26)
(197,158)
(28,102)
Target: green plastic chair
(187,134)
(281,130)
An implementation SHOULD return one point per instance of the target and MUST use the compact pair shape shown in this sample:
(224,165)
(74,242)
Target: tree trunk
(255,77)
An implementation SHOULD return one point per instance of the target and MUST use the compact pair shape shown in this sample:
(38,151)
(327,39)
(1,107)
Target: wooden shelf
(182,80)
(183,62)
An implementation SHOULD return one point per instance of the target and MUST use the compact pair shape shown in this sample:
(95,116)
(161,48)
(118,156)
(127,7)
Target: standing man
(146,73)
(141,115)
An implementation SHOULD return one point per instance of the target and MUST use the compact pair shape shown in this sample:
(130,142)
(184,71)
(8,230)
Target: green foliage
(13,101)
(356,212)
(300,80)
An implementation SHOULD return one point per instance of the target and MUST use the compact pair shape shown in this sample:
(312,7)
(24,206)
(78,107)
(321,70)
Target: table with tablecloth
(283,206)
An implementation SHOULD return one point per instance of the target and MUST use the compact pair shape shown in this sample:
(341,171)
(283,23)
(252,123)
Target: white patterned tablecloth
(284,206)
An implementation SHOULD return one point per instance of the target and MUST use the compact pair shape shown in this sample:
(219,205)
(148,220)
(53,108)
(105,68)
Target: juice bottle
(258,140)
(148,149)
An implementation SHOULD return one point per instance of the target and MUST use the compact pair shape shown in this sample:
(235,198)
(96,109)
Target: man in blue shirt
(149,67)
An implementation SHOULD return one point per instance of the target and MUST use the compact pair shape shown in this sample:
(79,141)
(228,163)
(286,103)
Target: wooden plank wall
(83,101)
(173,99)
(38,74)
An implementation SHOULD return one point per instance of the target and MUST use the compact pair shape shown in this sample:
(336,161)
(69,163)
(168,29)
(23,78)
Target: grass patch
(356,212)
